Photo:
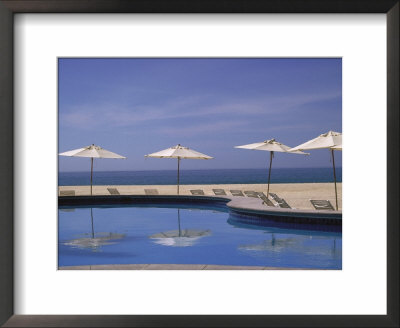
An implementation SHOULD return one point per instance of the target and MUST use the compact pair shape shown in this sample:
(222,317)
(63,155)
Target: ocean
(216,176)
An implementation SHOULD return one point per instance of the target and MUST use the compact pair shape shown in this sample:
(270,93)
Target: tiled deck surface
(297,195)
(169,267)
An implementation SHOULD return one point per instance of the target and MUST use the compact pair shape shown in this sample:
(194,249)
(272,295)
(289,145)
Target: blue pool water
(228,176)
(190,234)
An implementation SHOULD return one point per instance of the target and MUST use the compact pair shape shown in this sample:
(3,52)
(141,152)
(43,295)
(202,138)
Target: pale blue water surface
(191,234)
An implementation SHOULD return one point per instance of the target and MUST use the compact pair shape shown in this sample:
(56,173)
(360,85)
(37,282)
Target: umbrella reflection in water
(298,244)
(179,238)
(273,245)
(95,240)
(285,238)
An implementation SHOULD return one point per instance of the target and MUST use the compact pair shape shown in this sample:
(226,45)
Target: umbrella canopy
(271,145)
(330,140)
(179,152)
(91,151)
(326,140)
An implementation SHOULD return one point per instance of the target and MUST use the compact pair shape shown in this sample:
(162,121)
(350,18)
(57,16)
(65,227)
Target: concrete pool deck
(297,195)
(171,267)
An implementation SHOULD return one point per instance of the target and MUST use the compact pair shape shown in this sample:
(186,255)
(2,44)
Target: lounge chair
(265,199)
(197,192)
(113,191)
(236,193)
(67,192)
(274,196)
(67,209)
(251,194)
(219,192)
(151,191)
(322,204)
(281,202)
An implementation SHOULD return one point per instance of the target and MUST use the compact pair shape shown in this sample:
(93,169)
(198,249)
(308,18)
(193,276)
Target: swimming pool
(190,234)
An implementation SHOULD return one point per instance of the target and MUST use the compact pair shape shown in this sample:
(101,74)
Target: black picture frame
(10,7)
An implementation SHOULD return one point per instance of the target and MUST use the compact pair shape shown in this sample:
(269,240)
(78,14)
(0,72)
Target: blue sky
(138,106)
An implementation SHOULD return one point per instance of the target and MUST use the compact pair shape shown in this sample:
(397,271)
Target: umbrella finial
(269,141)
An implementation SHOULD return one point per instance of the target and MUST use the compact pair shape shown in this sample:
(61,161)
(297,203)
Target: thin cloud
(197,129)
(113,115)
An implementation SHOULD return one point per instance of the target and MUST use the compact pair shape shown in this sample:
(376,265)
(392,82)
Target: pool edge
(175,267)
(239,205)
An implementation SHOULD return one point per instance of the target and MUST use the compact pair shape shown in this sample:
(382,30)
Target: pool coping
(174,267)
(241,205)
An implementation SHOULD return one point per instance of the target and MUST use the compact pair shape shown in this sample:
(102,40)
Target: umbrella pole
(334,176)
(91,216)
(179,222)
(178,175)
(91,177)
(271,154)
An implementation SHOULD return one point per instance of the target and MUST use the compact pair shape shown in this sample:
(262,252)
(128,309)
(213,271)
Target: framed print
(48,44)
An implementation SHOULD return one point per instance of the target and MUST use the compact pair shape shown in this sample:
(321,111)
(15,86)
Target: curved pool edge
(133,199)
(239,205)
(255,207)
(174,267)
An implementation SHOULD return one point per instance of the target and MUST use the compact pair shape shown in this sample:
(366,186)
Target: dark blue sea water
(228,176)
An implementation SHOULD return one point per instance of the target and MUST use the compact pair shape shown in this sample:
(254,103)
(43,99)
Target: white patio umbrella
(92,151)
(338,147)
(272,146)
(331,140)
(179,152)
